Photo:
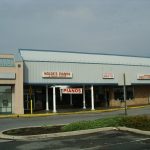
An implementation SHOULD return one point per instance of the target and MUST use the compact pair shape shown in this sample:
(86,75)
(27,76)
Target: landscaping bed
(34,130)
(141,122)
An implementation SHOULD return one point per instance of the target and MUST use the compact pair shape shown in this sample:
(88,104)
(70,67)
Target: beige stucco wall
(19,109)
(6,56)
(17,85)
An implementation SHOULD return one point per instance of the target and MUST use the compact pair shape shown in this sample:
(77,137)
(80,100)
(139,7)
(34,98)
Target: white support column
(92,98)
(54,99)
(84,105)
(47,103)
(70,99)
(60,90)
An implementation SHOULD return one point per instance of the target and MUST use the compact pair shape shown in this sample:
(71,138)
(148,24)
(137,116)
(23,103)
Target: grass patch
(99,123)
(141,122)
(138,122)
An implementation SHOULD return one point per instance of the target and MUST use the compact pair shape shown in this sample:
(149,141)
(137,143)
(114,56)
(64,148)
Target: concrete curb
(53,135)
(66,113)
(137,131)
(72,133)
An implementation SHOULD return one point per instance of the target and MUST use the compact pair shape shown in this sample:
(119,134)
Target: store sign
(72,91)
(108,75)
(143,77)
(56,74)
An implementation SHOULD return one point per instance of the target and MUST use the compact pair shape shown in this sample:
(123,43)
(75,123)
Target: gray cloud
(108,26)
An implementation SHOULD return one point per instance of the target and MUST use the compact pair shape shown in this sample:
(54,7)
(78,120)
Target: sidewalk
(71,111)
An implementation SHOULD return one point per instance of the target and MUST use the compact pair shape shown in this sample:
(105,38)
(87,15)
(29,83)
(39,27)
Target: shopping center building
(56,80)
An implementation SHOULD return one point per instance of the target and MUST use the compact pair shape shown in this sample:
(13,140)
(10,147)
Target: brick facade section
(141,97)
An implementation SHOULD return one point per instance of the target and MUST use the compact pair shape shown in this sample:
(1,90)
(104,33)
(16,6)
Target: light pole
(124,93)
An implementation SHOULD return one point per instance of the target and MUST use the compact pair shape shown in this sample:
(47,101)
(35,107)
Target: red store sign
(108,75)
(72,91)
(143,77)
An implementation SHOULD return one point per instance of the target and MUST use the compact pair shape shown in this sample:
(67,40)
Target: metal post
(70,99)
(54,99)
(28,100)
(84,106)
(124,90)
(92,98)
(47,103)
(31,106)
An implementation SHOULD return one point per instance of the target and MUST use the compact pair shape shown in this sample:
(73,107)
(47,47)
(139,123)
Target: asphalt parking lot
(8,123)
(110,140)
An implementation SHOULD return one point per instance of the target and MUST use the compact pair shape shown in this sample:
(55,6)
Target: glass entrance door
(5,99)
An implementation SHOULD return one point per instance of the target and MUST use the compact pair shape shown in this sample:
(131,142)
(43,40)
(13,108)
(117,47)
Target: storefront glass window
(5,99)
(118,93)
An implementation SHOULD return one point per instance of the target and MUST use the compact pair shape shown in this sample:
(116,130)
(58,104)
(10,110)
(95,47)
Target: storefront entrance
(42,98)
(5,99)
(37,95)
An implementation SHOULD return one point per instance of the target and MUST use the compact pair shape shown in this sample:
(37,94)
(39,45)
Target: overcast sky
(103,26)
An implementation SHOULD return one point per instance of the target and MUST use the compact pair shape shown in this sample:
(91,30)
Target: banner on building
(143,76)
(72,91)
(57,74)
(108,75)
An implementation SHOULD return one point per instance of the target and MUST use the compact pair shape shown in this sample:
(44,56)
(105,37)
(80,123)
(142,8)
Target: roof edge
(78,52)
